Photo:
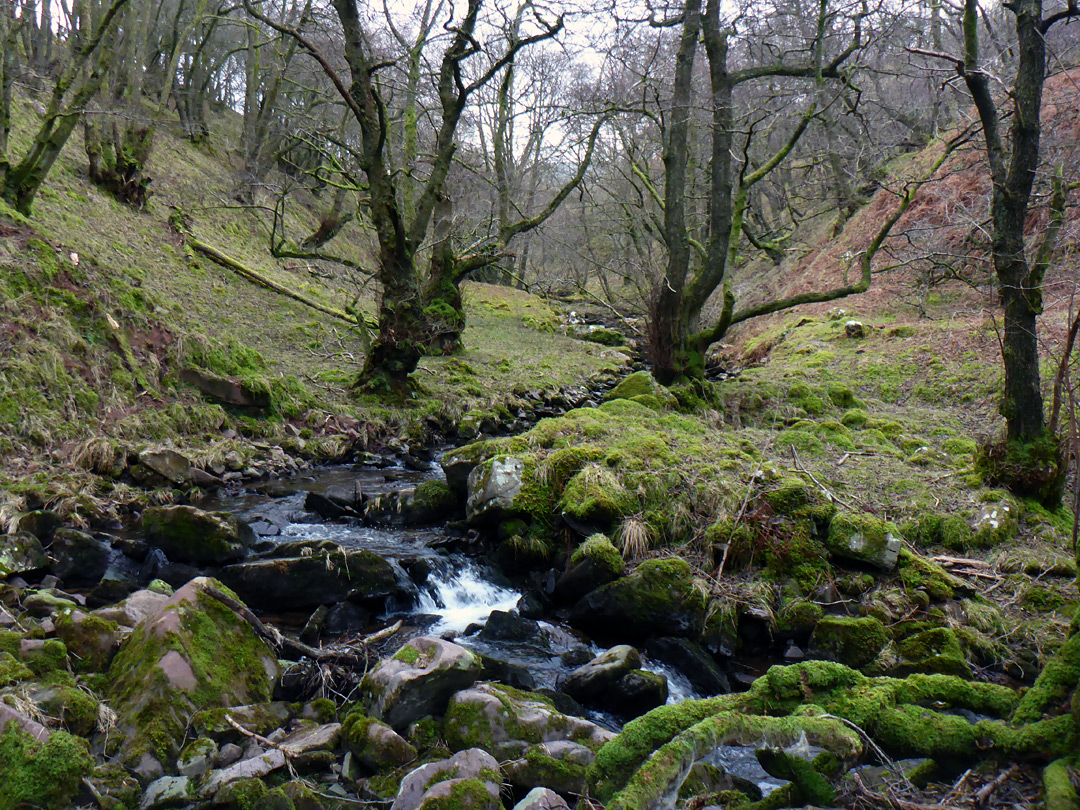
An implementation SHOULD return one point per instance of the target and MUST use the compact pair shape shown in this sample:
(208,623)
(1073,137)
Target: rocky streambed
(415,634)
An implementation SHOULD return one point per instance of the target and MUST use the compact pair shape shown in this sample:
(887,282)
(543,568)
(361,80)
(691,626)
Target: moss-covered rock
(865,539)
(190,535)
(658,598)
(40,773)
(854,642)
(192,654)
(374,744)
(505,722)
(469,780)
(596,496)
(418,680)
(642,383)
(91,641)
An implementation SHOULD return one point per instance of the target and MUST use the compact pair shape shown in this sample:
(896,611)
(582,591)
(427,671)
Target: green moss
(917,572)
(854,642)
(788,495)
(12,671)
(855,418)
(1058,790)
(467,794)
(44,774)
(601,551)
(434,496)
(76,709)
(616,762)
(638,384)
(597,495)
(89,641)
(408,655)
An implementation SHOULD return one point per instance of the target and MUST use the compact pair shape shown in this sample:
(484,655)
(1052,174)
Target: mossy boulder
(192,654)
(994,524)
(865,539)
(324,575)
(190,535)
(40,772)
(560,766)
(469,780)
(642,383)
(596,496)
(506,722)
(418,680)
(91,640)
(594,563)
(375,745)
(934,651)
(658,598)
(854,642)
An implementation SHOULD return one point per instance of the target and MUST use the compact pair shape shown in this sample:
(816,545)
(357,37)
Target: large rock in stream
(543,747)
(190,654)
(418,680)
(321,577)
(190,535)
(615,681)
(658,599)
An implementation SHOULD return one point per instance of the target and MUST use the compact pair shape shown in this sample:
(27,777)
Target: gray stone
(418,680)
(197,758)
(77,557)
(134,609)
(560,765)
(493,487)
(170,465)
(542,799)
(588,682)
(854,329)
(168,791)
(436,779)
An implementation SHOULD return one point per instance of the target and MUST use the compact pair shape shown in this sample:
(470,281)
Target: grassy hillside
(103,306)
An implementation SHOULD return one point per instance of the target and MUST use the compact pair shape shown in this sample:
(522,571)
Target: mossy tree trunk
(400,232)
(73,90)
(1030,461)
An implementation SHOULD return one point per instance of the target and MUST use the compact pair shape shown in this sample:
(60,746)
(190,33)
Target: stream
(456,591)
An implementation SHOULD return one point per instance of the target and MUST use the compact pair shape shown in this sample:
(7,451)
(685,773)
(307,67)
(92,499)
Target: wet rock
(331,505)
(469,780)
(507,722)
(864,539)
(418,680)
(507,672)
(77,557)
(507,626)
(430,502)
(592,680)
(375,745)
(658,598)
(542,799)
(47,603)
(493,487)
(689,658)
(192,654)
(346,618)
(314,626)
(21,553)
(169,464)
(854,642)
(190,535)
(116,584)
(305,582)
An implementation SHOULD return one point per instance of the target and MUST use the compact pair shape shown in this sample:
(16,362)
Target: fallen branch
(245,272)
(299,648)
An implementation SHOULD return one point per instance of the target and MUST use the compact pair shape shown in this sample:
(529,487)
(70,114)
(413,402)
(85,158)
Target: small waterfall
(462,596)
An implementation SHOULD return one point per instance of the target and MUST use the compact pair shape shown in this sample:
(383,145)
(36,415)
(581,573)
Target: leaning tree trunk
(443,306)
(399,344)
